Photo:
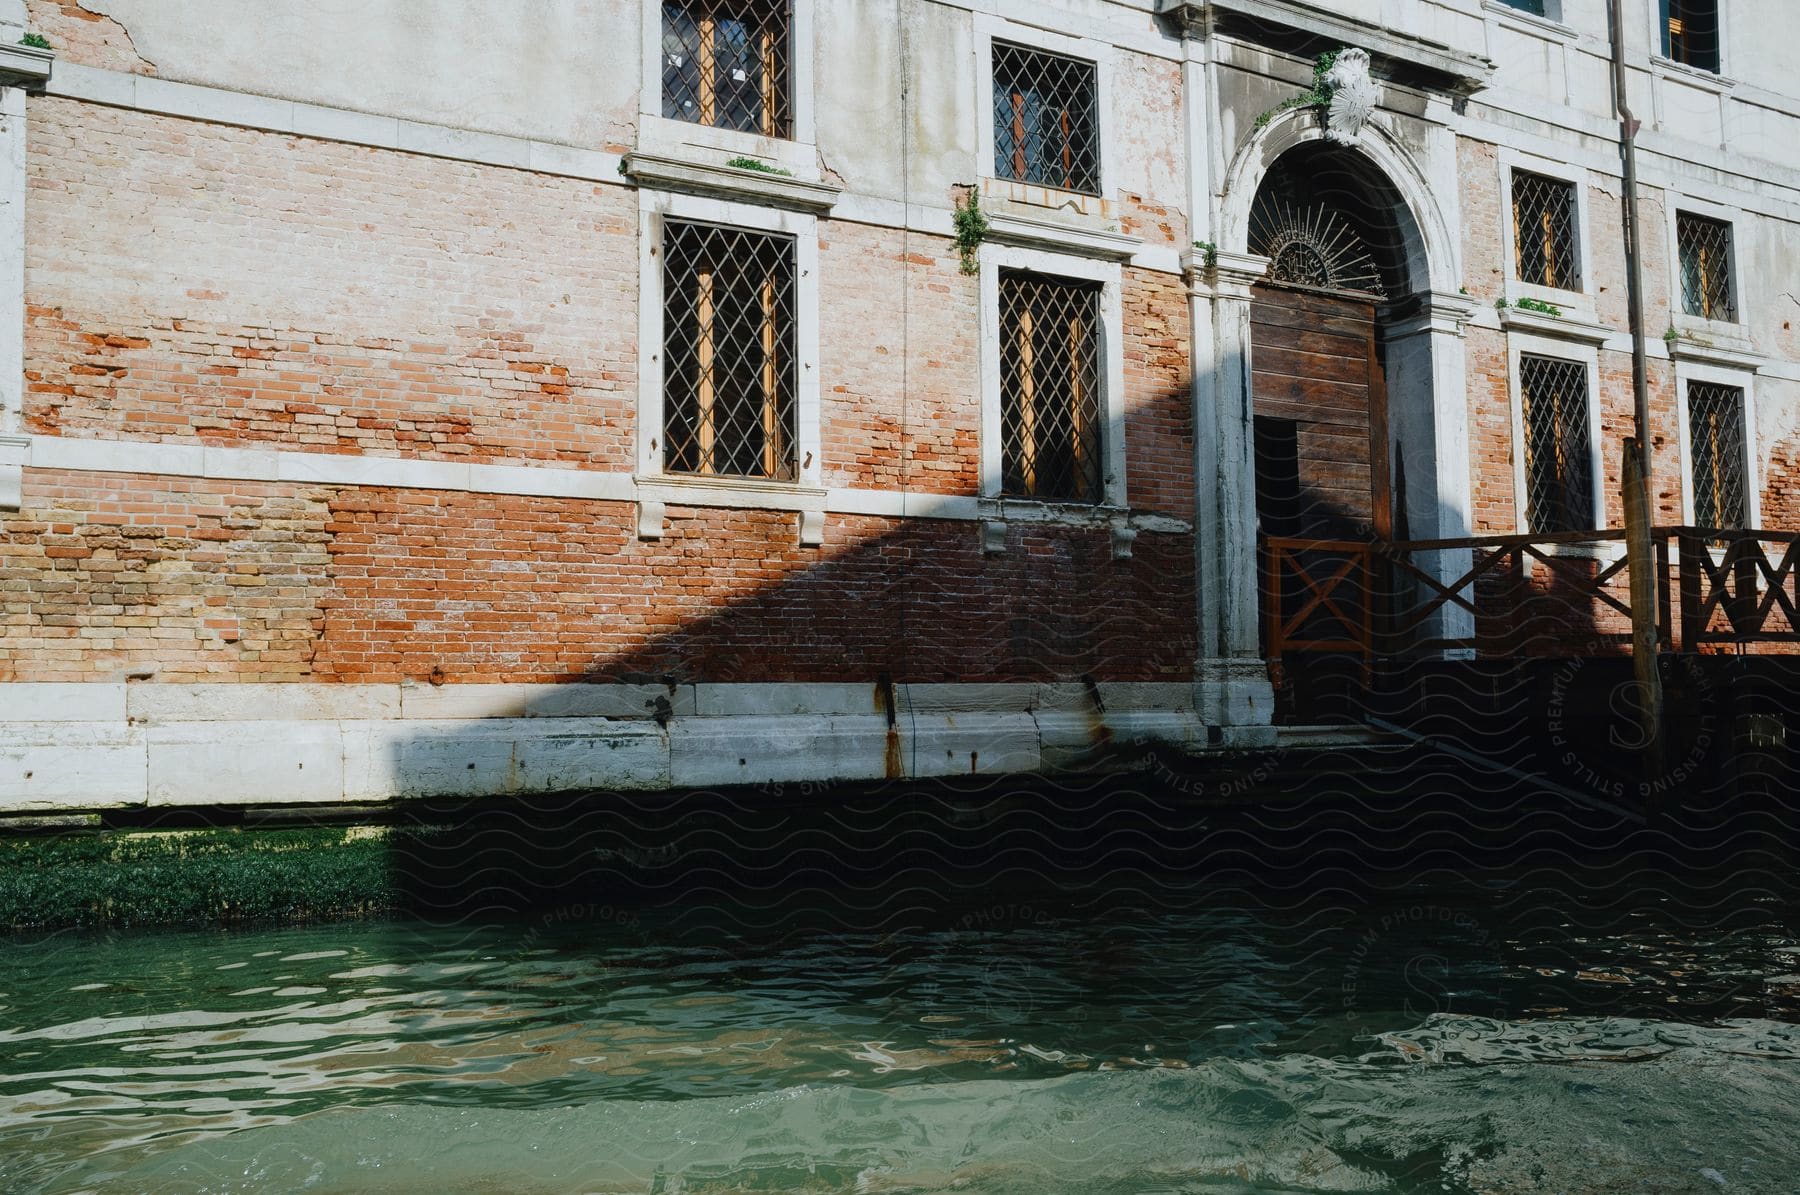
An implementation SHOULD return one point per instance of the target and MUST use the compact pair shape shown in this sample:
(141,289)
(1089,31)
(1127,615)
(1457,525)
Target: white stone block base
(67,747)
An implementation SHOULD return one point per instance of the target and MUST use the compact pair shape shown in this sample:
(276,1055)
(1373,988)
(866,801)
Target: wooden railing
(1527,594)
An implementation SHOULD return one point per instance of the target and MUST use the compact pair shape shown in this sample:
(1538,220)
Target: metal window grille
(1544,231)
(1046,119)
(1050,387)
(728,357)
(1559,478)
(1716,450)
(1705,249)
(1691,32)
(725,64)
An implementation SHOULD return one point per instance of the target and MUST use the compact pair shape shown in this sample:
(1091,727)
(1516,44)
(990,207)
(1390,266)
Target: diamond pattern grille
(1559,480)
(1544,231)
(728,360)
(725,64)
(1705,248)
(1046,119)
(1716,448)
(1050,387)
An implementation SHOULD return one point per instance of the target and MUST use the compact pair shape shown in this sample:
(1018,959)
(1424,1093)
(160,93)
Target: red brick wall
(107,574)
(480,588)
(1159,426)
(104,575)
(195,281)
(899,361)
(82,35)
(190,282)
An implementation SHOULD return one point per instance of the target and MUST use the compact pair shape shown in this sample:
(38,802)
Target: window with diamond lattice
(1046,119)
(728,359)
(1559,470)
(1050,388)
(1705,249)
(1716,450)
(1690,33)
(725,64)
(1544,231)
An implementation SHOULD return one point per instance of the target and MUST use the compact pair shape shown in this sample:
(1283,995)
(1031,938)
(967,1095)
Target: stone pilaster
(1234,684)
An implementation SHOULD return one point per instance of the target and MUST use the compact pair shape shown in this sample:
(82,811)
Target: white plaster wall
(894,111)
(560,70)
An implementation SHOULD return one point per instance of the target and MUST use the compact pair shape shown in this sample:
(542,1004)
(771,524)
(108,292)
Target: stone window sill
(1531,22)
(1568,326)
(1680,71)
(662,173)
(1054,235)
(1731,350)
(657,492)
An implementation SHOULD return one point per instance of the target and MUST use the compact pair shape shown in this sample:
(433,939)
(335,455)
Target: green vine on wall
(971,230)
(1318,94)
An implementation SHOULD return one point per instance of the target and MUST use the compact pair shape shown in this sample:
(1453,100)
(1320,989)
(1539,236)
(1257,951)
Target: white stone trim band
(541,481)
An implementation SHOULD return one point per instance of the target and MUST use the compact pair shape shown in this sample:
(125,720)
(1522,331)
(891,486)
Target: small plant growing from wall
(1670,337)
(1311,98)
(971,230)
(759,166)
(36,41)
(1537,305)
(1209,251)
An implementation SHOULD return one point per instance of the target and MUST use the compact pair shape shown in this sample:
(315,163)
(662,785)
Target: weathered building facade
(402,400)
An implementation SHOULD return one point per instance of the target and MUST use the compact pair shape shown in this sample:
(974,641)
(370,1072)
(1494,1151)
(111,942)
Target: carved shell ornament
(1354,96)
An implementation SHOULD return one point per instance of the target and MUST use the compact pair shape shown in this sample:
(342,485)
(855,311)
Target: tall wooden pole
(1639,512)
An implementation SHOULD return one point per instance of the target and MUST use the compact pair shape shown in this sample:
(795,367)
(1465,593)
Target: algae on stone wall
(202,876)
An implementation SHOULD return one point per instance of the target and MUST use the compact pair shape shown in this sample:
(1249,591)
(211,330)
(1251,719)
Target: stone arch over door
(1422,316)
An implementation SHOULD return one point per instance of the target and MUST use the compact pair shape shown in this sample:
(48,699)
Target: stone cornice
(1442,67)
(1429,311)
(1222,275)
(25,66)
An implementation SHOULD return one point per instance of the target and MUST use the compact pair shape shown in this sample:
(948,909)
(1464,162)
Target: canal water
(1501,1033)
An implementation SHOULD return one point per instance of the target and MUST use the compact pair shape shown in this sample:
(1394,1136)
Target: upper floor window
(1559,466)
(1537,8)
(1704,248)
(1716,452)
(729,380)
(1050,388)
(1544,247)
(1046,119)
(1690,33)
(726,64)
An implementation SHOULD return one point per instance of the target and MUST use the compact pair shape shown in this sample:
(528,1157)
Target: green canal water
(1501,1037)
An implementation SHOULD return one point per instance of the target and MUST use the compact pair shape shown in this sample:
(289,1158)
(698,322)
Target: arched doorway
(1336,234)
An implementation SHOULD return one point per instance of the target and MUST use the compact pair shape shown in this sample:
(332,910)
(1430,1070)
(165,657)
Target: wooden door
(1321,415)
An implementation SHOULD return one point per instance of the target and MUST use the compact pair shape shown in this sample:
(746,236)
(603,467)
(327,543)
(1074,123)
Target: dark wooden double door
(1320,406)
